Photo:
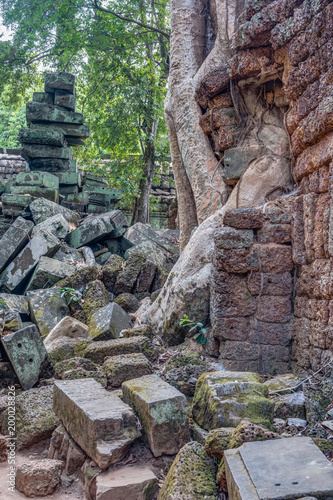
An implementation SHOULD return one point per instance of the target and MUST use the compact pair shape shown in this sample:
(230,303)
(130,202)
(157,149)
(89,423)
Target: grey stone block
(99,421)
(108,322)
(30,151)
(26,352)
(274,469)
(48,272)
(42,209)
(14,240)
(13,302)
(46,97)
(56,225)
(63,98)
(47,308)
(14,205)
(236,161)
(162,410)
(43,243)
(136,482)
(46,137)
(60,81)
(40,112)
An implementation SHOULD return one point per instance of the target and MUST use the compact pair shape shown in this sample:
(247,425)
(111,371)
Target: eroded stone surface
(162,410)
(101,424)
(136,482)
(38,478)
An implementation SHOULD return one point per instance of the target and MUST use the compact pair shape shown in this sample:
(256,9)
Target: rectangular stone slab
(14,204)
(62,98)
(37,192)
(40,112)
(42,151)
(136,482)
(162,410)
(292,468)
(43,243)
(50,164)
(48,137)
(70,130)
(99,421)
(41,179)
(14,240)
(26,352)
(47,97)
(48,272)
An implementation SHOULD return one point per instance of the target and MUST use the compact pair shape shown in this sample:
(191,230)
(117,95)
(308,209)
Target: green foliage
(121,62)
(70,295)
(200,335)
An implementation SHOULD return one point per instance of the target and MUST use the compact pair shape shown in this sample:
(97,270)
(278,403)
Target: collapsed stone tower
(54,127)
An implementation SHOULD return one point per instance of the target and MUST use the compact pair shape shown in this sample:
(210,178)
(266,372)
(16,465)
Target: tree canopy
(119,52)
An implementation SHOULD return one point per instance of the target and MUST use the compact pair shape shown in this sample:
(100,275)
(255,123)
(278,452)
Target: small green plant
(199,336)
(71,295)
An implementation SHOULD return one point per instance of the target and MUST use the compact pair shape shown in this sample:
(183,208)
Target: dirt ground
(72,492)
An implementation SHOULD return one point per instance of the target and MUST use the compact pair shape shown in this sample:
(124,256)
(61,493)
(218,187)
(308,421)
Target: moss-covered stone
(95,297)
(290,406)
(72,364)
(127,277)
(145,330)
(81,278)
(218,440)
(282,383)
(191,476)
(61,349)
(223,399)
(247,431)
(98,351)
(118,369)
(35,419)
(111,270)
(128,302)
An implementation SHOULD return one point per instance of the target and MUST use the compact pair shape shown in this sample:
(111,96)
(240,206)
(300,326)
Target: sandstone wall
(272,300)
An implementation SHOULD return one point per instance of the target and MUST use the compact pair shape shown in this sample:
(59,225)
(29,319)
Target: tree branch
(130,20)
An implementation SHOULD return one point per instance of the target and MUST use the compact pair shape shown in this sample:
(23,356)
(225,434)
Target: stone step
(99,421)
(162,409)
(136,482)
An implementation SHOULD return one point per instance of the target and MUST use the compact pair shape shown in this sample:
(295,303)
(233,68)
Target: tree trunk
(187,290)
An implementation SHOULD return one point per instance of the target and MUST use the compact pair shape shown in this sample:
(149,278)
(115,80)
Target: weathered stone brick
(273,309)
(313,127)
(280,334)
(274,258)
(244,218)
(229,238)
(315,157)
(308,71)
(297,232)
(309,214)
(231,297)
(249,63)
(274,233)
(239,260)
(236,329)
(321,226)
(270,283)
(213,83)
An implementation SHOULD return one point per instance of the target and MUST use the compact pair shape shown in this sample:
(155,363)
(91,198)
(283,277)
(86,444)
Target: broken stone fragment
(111,269)
(60,81)
(14,205)
(42,209)
(79,368)
(3,449)
(128,302)
(37,192)
(12,321)
(56,225)
(47,308)
(47,273)
(162,409)
(108,322)
(67,327)
(126,279)
(40,179)
(118,369)
(38,478)
(43,243)
(64,99)
(217,441)
(64,448)
(223,399)
(290,405)
(143,330)
(14,240)
(95,297)
(62,348)
(131,482)
(46,97)
(157,249)
(98,351)
(101,424)
(191,476)
(35,419)
(13,302)
(26,353)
